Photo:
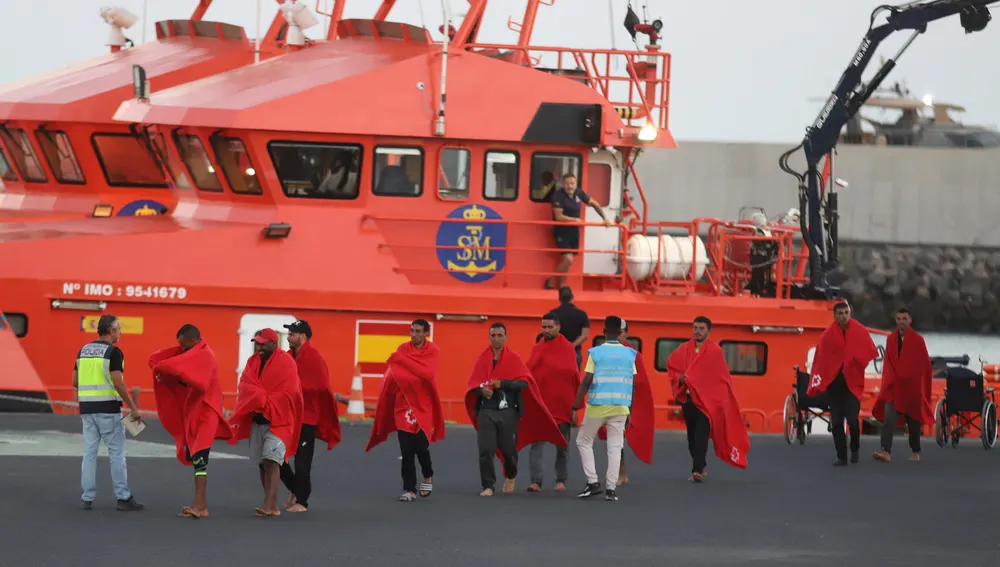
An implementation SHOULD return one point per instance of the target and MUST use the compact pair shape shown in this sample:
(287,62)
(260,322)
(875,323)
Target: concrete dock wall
(896,195)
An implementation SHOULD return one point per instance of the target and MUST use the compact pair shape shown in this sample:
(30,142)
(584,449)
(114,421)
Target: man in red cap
(269,413)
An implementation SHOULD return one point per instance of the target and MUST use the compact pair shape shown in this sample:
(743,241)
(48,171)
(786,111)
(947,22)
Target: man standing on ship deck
(608,383)
(567,202)
(100,384)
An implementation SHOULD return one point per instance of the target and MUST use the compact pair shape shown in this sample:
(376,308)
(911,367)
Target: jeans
(891,417)
(105,427)
(536,458)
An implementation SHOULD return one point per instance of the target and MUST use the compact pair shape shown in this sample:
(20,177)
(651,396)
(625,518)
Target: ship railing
(520,250)
(636,83)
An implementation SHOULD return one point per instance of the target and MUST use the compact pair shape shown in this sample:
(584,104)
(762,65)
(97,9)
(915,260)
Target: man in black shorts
(567,201)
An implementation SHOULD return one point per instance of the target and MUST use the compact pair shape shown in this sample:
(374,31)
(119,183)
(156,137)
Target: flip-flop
(427,487)
(407,497)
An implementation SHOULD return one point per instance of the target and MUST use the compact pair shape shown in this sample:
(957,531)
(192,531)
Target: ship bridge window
(312,170)
(547,170)
(22,154)
(194,156)
(174,167)
(6,173)
(399,172)
(453,174)
(127,161)
(745,357)
(58,152)
(634,342)
(664,348)
(501,175)
(232,157)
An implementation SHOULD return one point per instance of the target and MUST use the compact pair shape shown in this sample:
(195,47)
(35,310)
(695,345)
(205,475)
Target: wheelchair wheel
(941,423)
(790,418)
(988,424)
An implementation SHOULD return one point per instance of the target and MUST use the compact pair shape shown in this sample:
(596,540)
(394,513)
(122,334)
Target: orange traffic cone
(356,403)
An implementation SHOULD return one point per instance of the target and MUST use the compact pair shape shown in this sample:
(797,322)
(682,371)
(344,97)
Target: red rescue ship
(370,179)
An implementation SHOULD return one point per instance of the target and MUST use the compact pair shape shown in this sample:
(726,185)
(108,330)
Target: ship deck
(789,508)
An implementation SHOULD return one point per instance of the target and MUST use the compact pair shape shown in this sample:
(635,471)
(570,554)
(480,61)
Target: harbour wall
(895,195)
(919,227)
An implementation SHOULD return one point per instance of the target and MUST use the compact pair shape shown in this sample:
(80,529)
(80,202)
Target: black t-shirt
(570,206)
(572,321)
(116,363)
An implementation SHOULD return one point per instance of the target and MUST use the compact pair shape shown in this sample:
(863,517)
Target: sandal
(407,497)
(426,488)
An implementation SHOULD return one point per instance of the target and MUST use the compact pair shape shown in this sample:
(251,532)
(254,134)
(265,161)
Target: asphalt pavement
(790,507)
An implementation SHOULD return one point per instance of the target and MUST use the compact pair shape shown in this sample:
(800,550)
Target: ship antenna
(611,25)
(439,123)
(145,11)
(256,41)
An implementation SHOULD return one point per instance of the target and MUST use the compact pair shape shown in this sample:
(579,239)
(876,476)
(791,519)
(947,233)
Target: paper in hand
(133,426)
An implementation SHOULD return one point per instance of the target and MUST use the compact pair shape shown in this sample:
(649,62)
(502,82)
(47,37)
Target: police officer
(97,376)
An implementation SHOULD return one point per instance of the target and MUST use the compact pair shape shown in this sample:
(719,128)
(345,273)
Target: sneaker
(129,505)
(86,505)
(610,495)
(590,490)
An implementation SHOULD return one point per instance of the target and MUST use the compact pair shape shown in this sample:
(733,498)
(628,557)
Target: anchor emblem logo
(472,250)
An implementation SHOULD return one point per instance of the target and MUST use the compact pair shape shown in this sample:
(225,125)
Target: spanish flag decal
(376,340)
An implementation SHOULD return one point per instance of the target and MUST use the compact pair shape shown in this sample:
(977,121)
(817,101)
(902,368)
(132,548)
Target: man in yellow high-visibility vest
(98,379)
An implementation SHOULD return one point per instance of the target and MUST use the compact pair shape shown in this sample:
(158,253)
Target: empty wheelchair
(966,404)
(801,409)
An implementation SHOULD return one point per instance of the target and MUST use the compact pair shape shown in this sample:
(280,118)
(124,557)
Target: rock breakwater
(947,288)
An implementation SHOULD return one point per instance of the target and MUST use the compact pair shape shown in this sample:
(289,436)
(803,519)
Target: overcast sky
(742,70)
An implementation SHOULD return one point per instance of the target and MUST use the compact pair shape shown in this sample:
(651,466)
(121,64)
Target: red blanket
(554,368)
(850,351)
(189,397)
(276,394)
(319,407)
(642,431)
(906,379)
(537,424)
(413,371)
(707,381)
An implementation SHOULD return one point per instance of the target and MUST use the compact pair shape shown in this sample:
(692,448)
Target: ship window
(453,174)
(22,154)
(599,183)
(311,170)
(546,173)
(58,152)
(18,322)
(634,342)
(745,357)
(501,175)
(174,167)
(6,173)
(126,161)
(232,157)
(194,156)
(399,172)
(664,348)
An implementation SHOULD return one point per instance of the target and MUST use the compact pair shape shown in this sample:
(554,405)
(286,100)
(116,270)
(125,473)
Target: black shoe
(840,463)
(854,457)
(590,490)
(610,495)
(129,505)
(86,505)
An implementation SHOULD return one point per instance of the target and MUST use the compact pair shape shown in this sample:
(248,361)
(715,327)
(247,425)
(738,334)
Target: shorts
(199,460)
(264,445)
(567,238)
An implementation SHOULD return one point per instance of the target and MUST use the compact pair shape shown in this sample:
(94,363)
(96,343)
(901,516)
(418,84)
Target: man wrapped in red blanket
(845,348)
(554,367)
(410,405)
(189,402)
(269,413)
(319,415)
(641,430)
(506,409)
(700,382)
(905,395)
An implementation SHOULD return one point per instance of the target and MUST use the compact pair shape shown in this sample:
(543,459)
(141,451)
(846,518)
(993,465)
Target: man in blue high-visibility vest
(607,381)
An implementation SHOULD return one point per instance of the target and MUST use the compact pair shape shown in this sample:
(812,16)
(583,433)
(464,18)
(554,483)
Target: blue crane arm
(819,220)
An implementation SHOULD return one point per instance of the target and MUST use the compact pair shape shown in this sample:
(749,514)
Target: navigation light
(118,18)
(647,133)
